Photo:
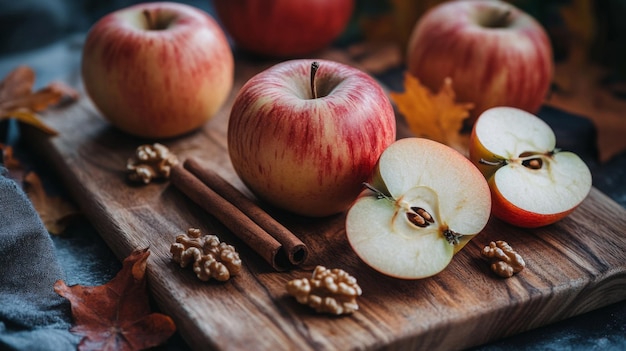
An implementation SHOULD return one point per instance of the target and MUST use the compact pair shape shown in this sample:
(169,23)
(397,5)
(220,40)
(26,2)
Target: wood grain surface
(574,266)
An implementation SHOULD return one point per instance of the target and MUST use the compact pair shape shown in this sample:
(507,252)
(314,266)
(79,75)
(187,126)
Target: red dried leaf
(117,316)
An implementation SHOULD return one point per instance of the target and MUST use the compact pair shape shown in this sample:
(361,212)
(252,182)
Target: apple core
(425,202)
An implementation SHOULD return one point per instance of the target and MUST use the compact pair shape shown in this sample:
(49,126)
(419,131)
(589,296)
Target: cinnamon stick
(231,217)
(295,249)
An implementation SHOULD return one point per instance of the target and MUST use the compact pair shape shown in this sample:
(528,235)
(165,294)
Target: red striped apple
(284,28)
(303,135)
(425,202)
(495,54)
(157,70)
(533,183)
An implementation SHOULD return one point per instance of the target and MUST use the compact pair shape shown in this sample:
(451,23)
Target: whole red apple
(304,135)
(157,69)
(284,28)
(496,54)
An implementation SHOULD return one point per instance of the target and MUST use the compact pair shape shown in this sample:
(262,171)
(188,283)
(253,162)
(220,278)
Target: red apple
(284,28)
(305,140)
(157,69)
(532,183)
(495,54)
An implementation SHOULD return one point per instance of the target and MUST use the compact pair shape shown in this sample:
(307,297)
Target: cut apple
(533,183)
(424,203)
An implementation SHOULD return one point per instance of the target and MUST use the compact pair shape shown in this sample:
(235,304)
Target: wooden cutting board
(574,266)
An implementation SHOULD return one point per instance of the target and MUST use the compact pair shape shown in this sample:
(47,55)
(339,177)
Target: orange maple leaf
(17,99)
(438,117)
(117,316)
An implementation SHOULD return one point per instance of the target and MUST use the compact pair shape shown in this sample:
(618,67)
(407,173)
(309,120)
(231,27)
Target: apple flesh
(533,184)
(157,70)
(304,139)
(284,28)
(496,54)
(425,202)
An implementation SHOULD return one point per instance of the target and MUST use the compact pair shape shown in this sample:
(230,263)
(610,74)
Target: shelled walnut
(328,291)
(504,260)
(150,162)
(210,257)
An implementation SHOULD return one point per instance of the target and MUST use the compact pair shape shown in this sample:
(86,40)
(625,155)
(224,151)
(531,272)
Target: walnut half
(210,257)
(150,162)
(504,260)
(328,291)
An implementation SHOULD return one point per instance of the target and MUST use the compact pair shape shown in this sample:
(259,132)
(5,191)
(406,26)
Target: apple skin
(304,155)
(284,28)
(508,212)
(489,66)
(516,131)
(157,83)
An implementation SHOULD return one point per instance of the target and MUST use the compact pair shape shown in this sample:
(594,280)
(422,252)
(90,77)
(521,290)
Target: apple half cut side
(533,184)
(424,203)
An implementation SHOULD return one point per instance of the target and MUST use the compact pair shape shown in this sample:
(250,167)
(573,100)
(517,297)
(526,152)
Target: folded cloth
(32,315)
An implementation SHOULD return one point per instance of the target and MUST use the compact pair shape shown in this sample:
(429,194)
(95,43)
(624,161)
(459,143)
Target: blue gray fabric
(32,315)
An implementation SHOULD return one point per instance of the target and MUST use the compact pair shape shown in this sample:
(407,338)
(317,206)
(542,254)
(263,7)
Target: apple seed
(533,163)
(420,217)
(417,219)
(422,212)
(534,160)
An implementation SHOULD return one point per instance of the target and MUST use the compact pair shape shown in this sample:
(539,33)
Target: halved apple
(424,203)
(532,183)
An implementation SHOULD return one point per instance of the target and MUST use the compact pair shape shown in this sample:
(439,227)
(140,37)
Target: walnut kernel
(150,162)
(328,291)
(210,257)
(504,260)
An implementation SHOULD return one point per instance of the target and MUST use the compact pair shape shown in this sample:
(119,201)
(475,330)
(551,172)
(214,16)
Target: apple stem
(492,163)
(504,19)
(379,194)
(314,66)
(149,19)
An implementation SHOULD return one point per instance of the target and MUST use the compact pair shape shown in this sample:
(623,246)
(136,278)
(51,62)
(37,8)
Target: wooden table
(574,266)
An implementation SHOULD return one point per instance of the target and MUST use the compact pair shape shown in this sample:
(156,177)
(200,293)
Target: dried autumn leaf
(28,117)
(438,117)
(17,100)
(117,316)
(55,212)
